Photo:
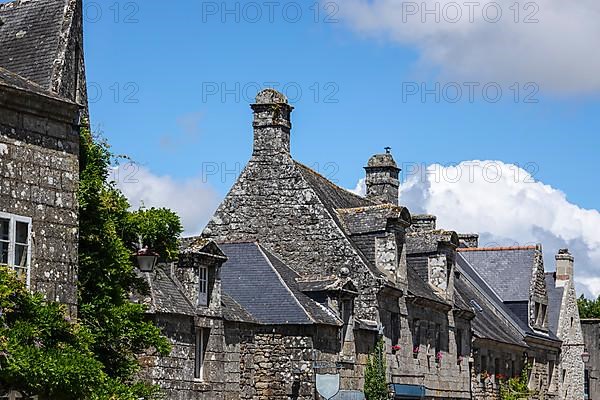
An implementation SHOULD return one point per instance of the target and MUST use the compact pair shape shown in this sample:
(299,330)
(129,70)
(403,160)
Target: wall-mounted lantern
(146,259)
(585,357)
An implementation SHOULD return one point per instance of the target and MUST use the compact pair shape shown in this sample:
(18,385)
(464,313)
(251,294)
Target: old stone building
(42,89)
(294,279)
(310,276)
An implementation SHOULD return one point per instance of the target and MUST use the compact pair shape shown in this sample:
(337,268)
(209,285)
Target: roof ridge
(506,248)
(331,183)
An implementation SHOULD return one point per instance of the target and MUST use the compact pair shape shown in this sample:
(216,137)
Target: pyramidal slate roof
(32,38)
(506,269)
(267,289)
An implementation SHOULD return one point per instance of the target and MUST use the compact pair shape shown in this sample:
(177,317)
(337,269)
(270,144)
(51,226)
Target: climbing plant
(376,387)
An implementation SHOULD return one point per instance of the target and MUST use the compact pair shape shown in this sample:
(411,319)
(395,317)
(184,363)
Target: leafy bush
(376,387)
(517,388)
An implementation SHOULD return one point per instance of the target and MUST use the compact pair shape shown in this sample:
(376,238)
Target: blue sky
(170,86)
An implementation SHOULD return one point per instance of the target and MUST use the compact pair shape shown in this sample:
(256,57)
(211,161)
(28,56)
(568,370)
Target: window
(416,333)
(203,286)
(201,342)
(543,316)
(15,247)
(395,326)
(459,342)
(484,364)
(536,313)
(550,374)
(346,314)
(438,340)
(586,384)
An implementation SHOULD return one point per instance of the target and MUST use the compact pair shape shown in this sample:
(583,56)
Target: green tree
(588,308)
(376,387)
(107,277)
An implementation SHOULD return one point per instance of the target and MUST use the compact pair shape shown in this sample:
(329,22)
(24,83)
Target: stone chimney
(564,267)
(271,124)
(470,240)
(423,222)
(382,178)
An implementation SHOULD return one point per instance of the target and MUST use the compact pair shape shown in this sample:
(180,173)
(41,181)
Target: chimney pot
(564,266)
(382,178)
(423,222)
(272,123)
(470,240)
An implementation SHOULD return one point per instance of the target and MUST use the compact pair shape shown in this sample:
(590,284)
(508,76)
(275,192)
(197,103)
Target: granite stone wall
(39,172)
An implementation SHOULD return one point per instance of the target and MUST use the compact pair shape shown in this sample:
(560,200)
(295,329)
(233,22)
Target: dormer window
(15,244)
(203,286)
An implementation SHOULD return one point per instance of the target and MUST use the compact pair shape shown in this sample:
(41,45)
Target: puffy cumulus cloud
(549,42)
(194,200)
(506,206)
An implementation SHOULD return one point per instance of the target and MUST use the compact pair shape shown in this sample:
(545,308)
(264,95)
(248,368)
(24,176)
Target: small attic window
(203,286)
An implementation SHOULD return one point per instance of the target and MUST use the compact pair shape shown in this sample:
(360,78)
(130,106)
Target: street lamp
(146,259)
(585,356)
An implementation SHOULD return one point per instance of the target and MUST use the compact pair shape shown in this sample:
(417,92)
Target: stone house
(456,319)
(42,89)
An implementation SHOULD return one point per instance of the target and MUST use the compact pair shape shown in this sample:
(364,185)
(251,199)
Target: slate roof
(484,287)
(166,295)
(267,289)
(12,80)
(419,288)
(506,269)
(30,38)
(331,195)
(489,321)
(555,295)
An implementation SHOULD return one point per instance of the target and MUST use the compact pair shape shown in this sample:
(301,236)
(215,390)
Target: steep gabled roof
(331,195)
(485,288)
(492,321)
(267,289)
(31,38)
(508,270)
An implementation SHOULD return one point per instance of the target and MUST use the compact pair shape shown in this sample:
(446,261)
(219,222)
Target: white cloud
(557,52)
(193,200)
(506,206)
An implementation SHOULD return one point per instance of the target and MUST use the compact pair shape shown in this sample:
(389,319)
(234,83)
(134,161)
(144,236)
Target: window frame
(13,219)
(200,353)
(396,328)
(203,283)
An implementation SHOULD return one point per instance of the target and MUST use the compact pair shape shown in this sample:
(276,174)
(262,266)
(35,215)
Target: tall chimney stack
(564,267)
(272,123)
(382,178)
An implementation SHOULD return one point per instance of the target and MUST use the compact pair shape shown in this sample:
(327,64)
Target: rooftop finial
(388,150)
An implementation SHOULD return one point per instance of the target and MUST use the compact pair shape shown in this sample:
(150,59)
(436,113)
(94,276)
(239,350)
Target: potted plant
(416,351)
(438,356)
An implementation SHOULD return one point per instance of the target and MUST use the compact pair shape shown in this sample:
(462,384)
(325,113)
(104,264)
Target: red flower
(396,347)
